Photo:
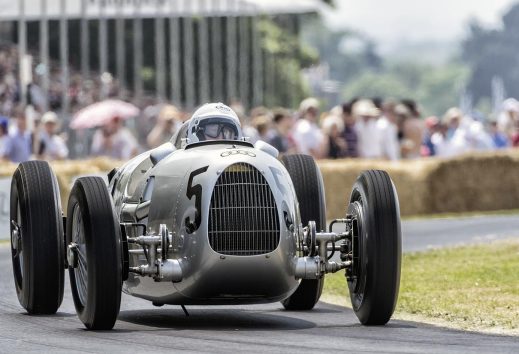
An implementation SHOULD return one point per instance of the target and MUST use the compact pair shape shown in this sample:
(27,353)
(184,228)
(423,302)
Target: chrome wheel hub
(72,255)
(15,237)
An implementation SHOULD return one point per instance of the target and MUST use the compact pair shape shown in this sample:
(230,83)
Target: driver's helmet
(213,121)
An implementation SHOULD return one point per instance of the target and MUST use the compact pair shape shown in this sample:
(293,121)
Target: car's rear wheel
(94,253)
(309,187)
(37,238)
(374,279)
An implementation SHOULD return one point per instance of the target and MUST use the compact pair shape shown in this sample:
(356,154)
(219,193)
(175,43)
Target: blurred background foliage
(354,62)
(490,52)
(286,55)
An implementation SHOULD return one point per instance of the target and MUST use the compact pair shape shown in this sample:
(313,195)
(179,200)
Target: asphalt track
(423,234)
(262,328)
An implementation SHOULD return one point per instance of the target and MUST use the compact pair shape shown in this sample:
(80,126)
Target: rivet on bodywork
(222,257)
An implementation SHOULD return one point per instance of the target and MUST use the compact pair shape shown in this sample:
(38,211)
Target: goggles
(223,131)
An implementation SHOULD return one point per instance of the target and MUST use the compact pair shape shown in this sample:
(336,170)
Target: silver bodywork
(166,194)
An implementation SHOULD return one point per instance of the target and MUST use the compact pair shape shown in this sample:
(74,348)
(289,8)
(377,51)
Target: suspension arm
(317,266)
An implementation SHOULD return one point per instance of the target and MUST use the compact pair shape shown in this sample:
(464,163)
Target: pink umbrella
(101,113)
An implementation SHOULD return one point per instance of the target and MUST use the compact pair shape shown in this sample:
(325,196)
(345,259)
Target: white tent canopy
(37,9)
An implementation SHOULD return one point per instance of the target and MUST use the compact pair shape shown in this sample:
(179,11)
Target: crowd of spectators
(384,129)
(9,89)
(371,128)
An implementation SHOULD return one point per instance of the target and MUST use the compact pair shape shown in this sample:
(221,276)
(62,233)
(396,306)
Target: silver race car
(205,219)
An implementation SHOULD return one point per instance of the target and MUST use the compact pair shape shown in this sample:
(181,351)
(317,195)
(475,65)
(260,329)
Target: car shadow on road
(214,320)
(54,315)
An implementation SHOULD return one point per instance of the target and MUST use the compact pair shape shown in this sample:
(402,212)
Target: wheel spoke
(81,253)
(19,223)
(80,286)
(80,273)
(81,282)
(20,259)
(75,233)
(81,233)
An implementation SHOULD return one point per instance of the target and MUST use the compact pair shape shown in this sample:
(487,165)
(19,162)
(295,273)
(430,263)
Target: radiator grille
(243,216)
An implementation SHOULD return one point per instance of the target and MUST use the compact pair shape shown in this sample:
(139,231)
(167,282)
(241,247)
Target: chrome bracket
(317,265)
(159,267)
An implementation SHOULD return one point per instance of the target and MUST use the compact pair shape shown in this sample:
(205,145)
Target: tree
(284,57)
(353,61)
(440,87)
(344,60)
(370,84)
(493,52)
(434,88)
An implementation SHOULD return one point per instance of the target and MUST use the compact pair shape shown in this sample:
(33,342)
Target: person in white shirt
(307,134)
(451,140)
(508,117)
(115,141)
(51,145)
(442,145)
(370,134)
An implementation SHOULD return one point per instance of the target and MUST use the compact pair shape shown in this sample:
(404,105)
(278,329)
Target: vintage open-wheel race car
(205,219)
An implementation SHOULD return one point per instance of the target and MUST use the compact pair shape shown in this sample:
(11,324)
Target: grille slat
(243,216)
(257,187)
(225,217)
(250,192)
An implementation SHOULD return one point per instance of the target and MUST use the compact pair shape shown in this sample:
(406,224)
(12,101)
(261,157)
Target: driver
(212,121)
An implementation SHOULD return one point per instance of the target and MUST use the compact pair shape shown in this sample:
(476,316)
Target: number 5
(196,191)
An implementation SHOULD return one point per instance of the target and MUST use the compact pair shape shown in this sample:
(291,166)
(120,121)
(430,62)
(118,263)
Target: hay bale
(475,183)
(339,176)
(486,181)
(7,168)
(68,169)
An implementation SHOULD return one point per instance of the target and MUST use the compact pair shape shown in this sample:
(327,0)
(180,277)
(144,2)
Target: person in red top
(515,136)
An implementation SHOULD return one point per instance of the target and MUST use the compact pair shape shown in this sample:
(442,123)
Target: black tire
(309,187)
(37,255)
(93,227)
(375,279)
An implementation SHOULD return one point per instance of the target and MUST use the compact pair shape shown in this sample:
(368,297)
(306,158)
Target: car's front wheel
(374,278)
(94,253)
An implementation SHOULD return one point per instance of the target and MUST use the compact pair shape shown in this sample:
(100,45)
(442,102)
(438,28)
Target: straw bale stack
(486,181)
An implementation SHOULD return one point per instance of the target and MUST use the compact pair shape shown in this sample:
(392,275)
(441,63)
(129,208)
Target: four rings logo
(237,152)
(223,108)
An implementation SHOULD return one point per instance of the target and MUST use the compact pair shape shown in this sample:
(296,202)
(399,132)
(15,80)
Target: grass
(471,287)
